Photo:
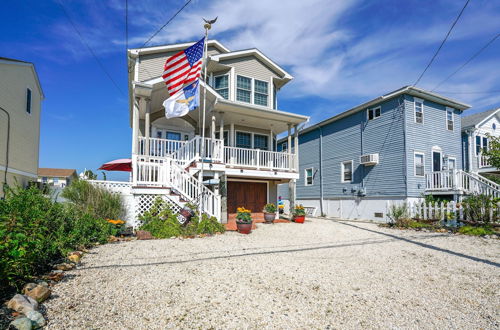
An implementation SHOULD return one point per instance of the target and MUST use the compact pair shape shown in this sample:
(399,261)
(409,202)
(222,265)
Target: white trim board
(18,172)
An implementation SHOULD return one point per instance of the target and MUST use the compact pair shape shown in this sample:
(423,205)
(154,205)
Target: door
(436,161)
(251,195)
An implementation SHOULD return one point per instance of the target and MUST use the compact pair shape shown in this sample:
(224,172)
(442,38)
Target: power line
(475,92)
(467,62)
(163,26)
(88,47)
(442,43)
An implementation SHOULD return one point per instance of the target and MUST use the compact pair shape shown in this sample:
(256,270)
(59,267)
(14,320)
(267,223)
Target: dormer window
(243,89)
(261,92)
(221,85)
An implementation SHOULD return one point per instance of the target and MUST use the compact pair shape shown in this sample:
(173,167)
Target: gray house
(394,148)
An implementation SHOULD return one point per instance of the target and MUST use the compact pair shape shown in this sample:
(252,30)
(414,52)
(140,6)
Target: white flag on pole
(185,100)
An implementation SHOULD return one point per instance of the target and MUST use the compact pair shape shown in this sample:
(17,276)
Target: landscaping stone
(21,323)
(37,319)
(78,253)
(143,235)
(74,258)
(64,266)
(22,304)
(37,291)
(55,275)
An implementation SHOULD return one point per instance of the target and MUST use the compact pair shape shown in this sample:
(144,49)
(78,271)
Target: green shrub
(35,232)
(477,208)
(418,225)
(94,200)
(476,231)
(398,215)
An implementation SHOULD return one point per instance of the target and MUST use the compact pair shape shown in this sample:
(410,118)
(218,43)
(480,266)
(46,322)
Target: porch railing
(461,181)
(158,147)
(191,151)
(260,159)
(483,161)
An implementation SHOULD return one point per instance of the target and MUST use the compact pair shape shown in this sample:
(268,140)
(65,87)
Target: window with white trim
(221,85)
(226,137)
(243,140)
(452,163)
(481,144)
(243,89)
(449,119)
(309,176)
(419,159)
(28,100)
(374,113)
(260,93)
(347,171)
(260,142)
(284,146)
(419,111)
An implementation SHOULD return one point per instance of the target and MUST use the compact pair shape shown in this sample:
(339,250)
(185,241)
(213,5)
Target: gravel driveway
(321,274)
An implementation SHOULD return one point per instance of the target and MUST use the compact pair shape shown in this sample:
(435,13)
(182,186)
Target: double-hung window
(260,142)
(347,171)
(449,119)
(260,93)
(419,111)
(419,164)
(243,140)
(28,100)
(309,176)
(481,144)
(374,113)
(226,137)
(221,85)
(243,89)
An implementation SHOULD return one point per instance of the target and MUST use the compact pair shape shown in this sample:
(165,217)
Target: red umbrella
(124,165)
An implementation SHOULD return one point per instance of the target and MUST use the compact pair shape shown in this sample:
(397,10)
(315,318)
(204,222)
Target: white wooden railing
(113,186)
(483,161)
(150,171)
(191,151)
(260,159)
(461,181)
(158,147)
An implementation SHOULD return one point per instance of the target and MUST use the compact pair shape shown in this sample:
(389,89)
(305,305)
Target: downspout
(321,170)
(6,151)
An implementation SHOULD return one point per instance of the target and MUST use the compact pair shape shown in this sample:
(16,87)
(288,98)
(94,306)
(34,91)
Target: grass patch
(476,231)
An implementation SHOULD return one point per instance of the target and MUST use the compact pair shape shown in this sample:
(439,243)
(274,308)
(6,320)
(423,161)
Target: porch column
(221,126)
(296,147)
(147,126)
(212,128)
(231,135)
(135,125)
(289,146)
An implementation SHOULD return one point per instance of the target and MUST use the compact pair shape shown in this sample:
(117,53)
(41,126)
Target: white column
(135,125)
(289,146)
(147,126)
(232,142)
(221,127)
(212,128)
(296,147)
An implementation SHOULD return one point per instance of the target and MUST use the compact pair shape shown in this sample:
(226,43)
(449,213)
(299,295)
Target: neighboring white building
(56,177)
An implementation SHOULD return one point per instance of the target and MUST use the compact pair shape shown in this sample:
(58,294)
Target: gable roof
(410,90)
(478,118)
(13,61)
(56,172)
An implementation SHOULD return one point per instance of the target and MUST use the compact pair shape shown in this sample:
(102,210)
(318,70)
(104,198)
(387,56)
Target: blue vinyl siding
(432,133)
(308,157)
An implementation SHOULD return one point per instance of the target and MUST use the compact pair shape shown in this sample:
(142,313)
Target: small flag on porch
(183,101)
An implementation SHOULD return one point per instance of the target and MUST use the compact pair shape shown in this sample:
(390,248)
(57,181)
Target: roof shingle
(56,172)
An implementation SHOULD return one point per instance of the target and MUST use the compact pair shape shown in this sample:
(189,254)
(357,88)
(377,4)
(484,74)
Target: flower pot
(269,217)
(299,218)
(244,228)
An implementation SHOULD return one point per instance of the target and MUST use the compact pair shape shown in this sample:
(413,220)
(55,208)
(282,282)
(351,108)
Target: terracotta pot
(269,217)
(299,218)
(244,228)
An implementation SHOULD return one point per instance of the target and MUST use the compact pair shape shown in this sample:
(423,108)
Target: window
(485,143)
(284,146)
(56,180)
(243,89)
(260,142)
(309,177)
(173,136)
(28,100)
(347,171)
(419,164)
(478,145)
(452,164)
(419,111)
(373,113)
(243,140)
(481,144)
(226,137)
(44,179)
(449,119)
(260,95)
(221,85)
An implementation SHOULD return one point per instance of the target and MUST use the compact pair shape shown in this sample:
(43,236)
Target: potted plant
(269,212)
(299,214)
(243,220)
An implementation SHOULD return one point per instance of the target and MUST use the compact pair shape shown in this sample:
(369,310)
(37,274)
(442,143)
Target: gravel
(321,274)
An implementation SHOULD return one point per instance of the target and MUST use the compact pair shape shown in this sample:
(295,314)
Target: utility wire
(467,62)
(163,26)
(476,92)
(442,43)
(88,47)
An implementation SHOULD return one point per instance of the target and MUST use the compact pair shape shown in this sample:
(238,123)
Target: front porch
(459,182)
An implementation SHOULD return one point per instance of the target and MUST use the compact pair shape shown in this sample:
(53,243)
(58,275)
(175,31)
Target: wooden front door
(251,195)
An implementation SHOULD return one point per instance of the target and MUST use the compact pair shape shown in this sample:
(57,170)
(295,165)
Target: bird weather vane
(208,23)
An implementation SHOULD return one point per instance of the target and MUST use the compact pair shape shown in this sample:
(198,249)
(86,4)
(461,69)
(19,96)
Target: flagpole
(207,27)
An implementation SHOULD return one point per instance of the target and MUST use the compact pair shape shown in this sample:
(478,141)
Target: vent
(370,159)
(379,215)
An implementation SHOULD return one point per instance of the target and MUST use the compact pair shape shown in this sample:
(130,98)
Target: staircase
(461,182)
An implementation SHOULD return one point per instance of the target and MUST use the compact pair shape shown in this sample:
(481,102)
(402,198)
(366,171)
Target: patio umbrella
(124,165)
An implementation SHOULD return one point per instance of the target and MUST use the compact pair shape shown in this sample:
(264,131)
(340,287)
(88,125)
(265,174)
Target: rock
(143,235)
(28,287)
(22,304)
(55,275)
(77,253)
(64,266)
(43,283)
(38,292)
(37,319)
(21,323)
(112,239)
(75,258)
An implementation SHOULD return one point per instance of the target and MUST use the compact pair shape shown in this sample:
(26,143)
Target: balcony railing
(483,161)
(460,181)
(158,147)
(260,159)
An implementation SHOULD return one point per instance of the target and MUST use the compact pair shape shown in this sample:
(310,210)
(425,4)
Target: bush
(476,231)
(477,208)
(162,222)
(94,200)
(398,215)
(35,232)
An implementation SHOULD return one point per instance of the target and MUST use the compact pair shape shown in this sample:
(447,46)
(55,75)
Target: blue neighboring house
(394,148)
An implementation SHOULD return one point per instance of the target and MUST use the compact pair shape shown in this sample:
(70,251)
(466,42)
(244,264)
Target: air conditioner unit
(370,159)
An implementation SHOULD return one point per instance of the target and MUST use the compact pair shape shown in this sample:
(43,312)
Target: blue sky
(341,53)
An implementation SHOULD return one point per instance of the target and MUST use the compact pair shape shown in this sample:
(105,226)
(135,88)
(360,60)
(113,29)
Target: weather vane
(208,23)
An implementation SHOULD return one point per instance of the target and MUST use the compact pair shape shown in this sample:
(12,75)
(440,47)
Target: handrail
(158,147)
(260,159)
(459,180)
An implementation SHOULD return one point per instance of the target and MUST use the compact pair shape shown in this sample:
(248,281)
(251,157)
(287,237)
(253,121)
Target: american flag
(183,67)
